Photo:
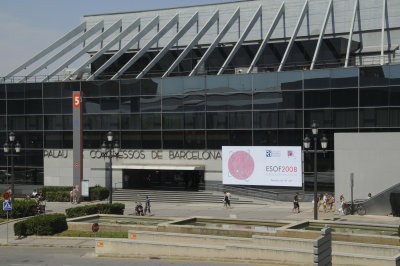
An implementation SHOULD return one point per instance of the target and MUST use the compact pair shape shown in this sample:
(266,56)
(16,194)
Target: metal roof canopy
(160,167)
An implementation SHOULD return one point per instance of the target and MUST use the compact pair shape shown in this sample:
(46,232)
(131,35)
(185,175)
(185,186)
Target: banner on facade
(262,165)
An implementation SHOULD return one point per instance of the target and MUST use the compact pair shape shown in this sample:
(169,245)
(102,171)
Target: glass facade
(203,112)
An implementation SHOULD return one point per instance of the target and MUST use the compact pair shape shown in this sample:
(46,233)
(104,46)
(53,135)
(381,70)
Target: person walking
(296,205)
(225,200)
(228,200)
(332,203)
(74,195)
(71,196)
(147,206)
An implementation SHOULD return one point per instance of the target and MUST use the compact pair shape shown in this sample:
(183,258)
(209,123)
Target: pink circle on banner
(241,165)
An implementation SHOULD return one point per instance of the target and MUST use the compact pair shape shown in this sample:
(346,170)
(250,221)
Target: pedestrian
(147,206)
(332,203)
(320,201)
(228,200)
(296,206)
(225,200)
(325,199)
(74,195)
(369,195)
(342,202)
(78,198)
(34,193)
(71,195)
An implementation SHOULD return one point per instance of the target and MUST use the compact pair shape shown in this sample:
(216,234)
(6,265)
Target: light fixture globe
(11,136)
(17,147)
(307,142)
(104,147)
(116,147)
(324,142)
(314,128)
(109,136)
(6,147)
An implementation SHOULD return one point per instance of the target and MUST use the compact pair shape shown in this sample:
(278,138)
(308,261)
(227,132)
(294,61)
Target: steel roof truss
(271,29)
(356,6)
(179,35)
(384,3)
(238,44)
(142,51)
(195,40)
(92,44)
(126,47)
(212,46)
(67,49)
(49,49)
(294,35)
(321,34)
(108,46)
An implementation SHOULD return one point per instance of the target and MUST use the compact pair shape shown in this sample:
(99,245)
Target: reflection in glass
(240,120)
(265,119)
(129,87)
(290,138)
(150,86)
(109,105)
(240,82)
(110,122)
(322,117)
(290,119)
(374,96)
(240,137)
(267,100)
(217,84)
(151,139)
(265,137)
(237,101)
(265,82)
(194,103)
(173,121)
(344,77)
(131,140)
(172,103)
(194,140)
(193,84)
(53,122)
(16,122)
(374,117)
(290,80)
(173,139)
(317,99)
(343,118)
(34,140)
(216,139)
(374,76)
(344,97)
(91,122)
(53,140)
(217,120)
(394,116)
(92,140)
(151,121)
(172,85)
(150,104)
(130,104)
(317,79)
(52,106)
(34,122)
(130,121)
(194,120)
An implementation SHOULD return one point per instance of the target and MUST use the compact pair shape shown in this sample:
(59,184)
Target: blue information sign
(7,206)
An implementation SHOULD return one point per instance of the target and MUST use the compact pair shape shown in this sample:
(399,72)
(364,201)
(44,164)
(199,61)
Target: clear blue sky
(29,26)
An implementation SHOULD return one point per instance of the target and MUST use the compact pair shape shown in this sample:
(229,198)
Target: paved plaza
(260,210)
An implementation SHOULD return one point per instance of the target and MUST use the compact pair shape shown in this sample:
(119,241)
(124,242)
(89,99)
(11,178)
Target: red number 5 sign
(77,100)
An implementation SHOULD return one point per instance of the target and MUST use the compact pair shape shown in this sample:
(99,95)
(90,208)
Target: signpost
(95,228)
(7,206)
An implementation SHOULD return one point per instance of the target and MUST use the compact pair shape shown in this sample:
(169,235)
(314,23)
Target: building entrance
(163,179)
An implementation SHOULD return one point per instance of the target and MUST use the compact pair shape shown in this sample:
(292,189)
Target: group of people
(327,202)
(227,200)
(74,197)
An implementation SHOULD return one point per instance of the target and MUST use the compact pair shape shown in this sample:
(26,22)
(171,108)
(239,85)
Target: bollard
(323,248)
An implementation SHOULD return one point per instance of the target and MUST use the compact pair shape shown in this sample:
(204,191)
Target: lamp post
(307,144)
(9,147)
(108,146)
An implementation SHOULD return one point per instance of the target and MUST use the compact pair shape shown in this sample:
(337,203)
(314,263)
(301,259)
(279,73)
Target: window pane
(371,117)
(53,140)
(173,139)
(217,120)
(33,90)
(131,140)
(172,85)
(131,121)
(67,88)
(194,103)
(130,104)
(240,138)
(2,91)
(290,138)
(394,95)
(265,120)
(151,139)
(34,122)
(3,106)
(151,121)
(217,139)
(173,121)
(150,103)
(193,84)
(93,140)
(267,100)
(33,107)
(130,87)
(52,90)
(239,83)
(374,76)
(109,105)
(265,137)
(150,86)
(3,124)
(110,122)
(53,122)
(16,107)
(344,98)
(239,101)
(290,80)
(374,96)
(194,120)
(394,114)
(344,77)
(290,119)
(317,99)
(240,120)
(217,84)
(291,100)
(15,91)
(34,140)
(322,117)
(194,140)
(317,79)
(91,122)
(172,103)
(345,118)
(265,82)
(52,106)
(67,122)
(67,106)
(16,123)
(91,105)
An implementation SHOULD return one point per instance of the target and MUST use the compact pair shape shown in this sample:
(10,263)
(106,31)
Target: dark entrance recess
(163,179)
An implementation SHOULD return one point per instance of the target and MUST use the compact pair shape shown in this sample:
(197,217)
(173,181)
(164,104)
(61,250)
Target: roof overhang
(159,167)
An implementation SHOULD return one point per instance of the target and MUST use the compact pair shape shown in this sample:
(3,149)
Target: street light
(9,147)
(107,146)
(307,144)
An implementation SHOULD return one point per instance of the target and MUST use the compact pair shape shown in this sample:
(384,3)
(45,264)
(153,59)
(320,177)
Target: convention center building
(175,85)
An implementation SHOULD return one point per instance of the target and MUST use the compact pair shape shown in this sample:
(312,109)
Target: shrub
(46,224)
(58,196)
(98,193)
(115,208)
(20,208)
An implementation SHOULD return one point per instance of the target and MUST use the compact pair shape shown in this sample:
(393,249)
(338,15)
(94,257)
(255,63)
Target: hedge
(395,203)
(61,194)
(114,208)
(20,208)
(46,224)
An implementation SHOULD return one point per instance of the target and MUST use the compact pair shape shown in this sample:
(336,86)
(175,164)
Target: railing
(355,61)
